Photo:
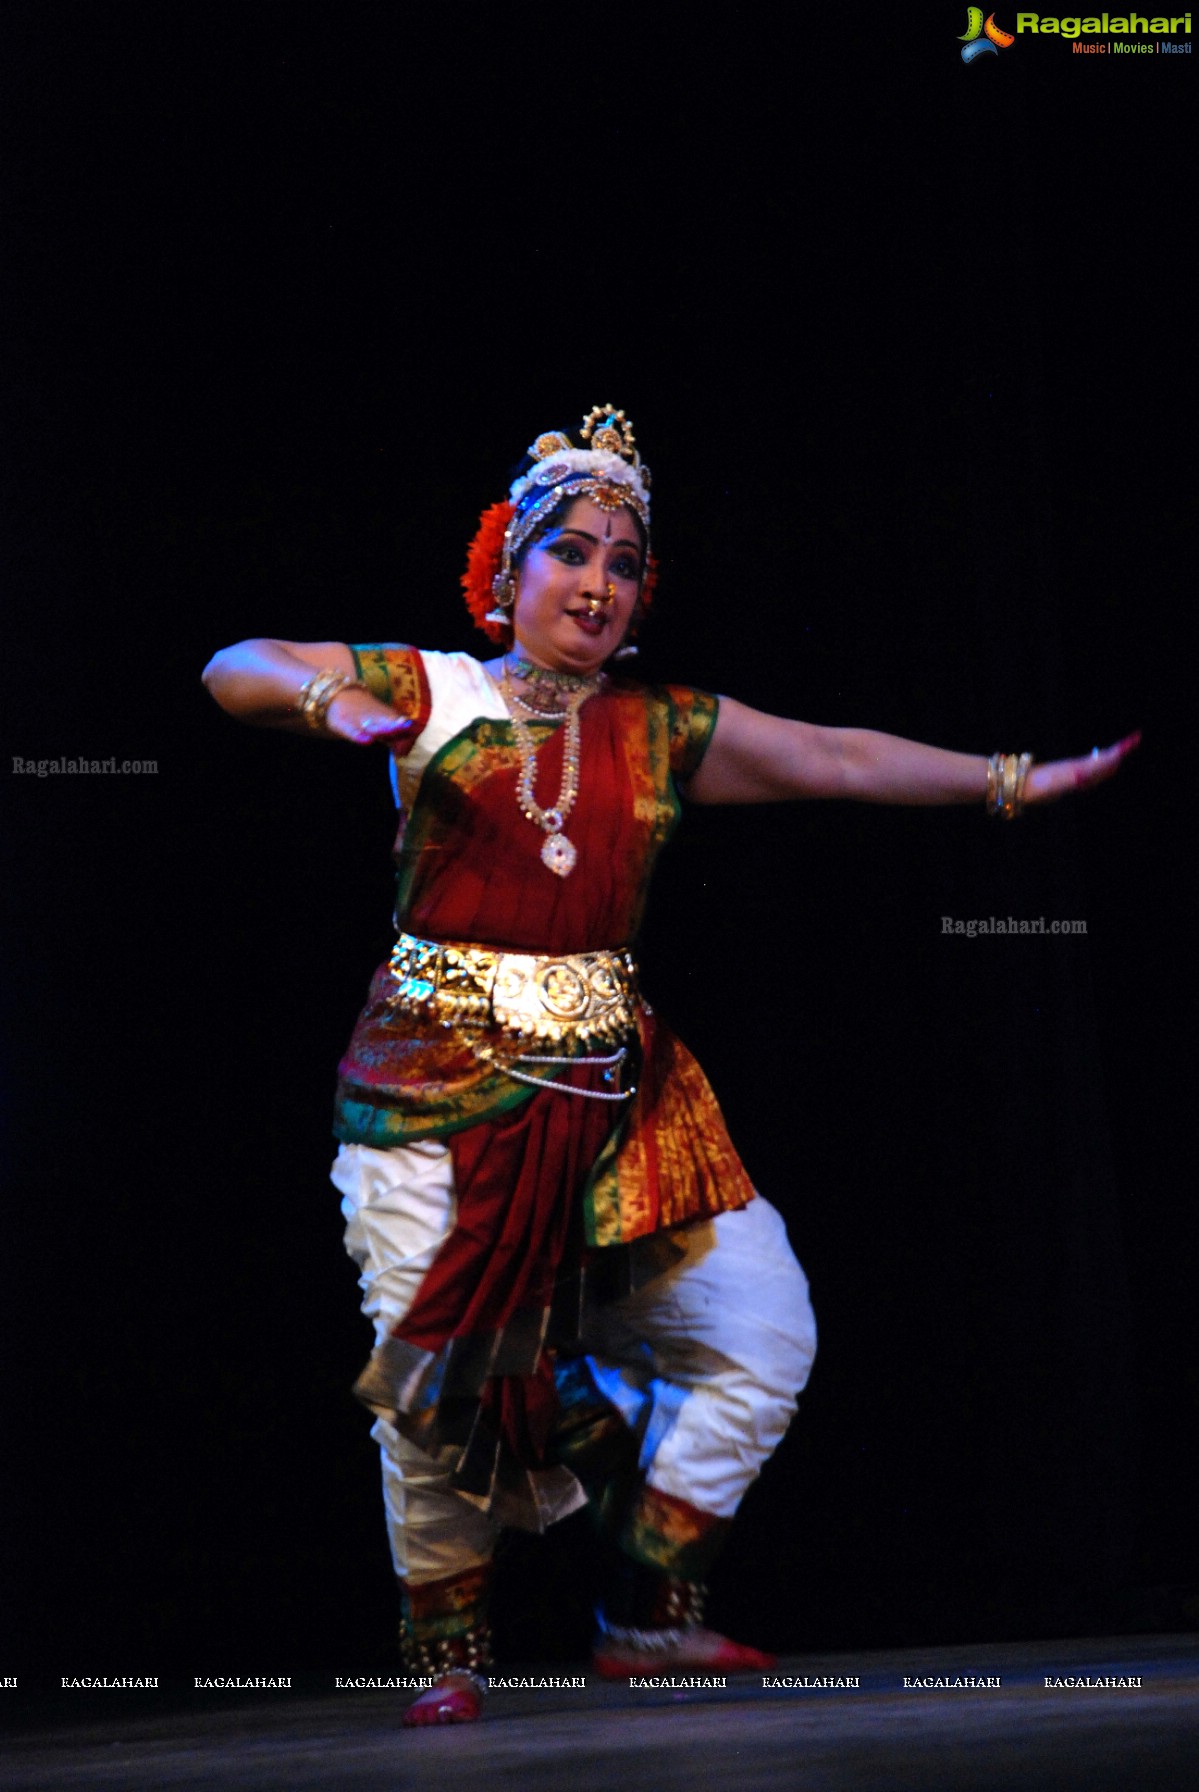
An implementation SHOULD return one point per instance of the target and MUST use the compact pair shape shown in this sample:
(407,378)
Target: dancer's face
(577,588)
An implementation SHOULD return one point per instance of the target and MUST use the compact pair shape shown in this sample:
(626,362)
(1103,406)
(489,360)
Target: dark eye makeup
(627,566)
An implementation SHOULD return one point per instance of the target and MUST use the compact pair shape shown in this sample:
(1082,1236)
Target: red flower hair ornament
(483,561)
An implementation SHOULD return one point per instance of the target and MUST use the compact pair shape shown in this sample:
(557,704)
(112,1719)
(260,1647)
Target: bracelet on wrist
(318,692)
(1007,774)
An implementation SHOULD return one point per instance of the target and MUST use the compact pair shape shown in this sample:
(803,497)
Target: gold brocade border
(654,806)
(483,749)
(667,1533)
(693,718)
(396,676)
(672,1162)
(446,1608)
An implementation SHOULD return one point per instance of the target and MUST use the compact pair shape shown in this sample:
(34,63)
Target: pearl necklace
(557,852)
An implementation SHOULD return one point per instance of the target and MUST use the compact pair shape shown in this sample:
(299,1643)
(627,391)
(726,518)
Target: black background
(907,344)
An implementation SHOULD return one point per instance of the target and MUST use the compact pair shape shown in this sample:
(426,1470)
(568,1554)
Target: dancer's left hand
(1062,777)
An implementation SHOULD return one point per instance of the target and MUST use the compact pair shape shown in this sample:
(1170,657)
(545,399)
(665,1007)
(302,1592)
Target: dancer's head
(579,507)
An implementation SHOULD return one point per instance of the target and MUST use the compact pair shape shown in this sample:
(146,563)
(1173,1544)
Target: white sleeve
(460,691)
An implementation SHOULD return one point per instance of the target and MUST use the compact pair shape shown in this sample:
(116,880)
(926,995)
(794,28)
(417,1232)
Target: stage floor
(878,1736)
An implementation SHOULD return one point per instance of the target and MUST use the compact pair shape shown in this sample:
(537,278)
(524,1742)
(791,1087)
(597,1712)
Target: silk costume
(557,1200)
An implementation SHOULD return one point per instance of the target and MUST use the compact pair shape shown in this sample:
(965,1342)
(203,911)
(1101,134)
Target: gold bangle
(1010,762)
(994,780)
(1022,771)
(318,692)
(1007,774)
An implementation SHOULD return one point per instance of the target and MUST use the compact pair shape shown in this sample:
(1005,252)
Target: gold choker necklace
(545,679)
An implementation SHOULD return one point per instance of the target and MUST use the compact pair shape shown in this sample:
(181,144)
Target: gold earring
(503,589)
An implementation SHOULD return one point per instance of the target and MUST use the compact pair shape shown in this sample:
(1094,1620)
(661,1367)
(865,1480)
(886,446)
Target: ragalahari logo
(981,39)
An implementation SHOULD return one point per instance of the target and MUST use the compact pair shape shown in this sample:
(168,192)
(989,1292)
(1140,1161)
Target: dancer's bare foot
(454,1699)
(696,1650)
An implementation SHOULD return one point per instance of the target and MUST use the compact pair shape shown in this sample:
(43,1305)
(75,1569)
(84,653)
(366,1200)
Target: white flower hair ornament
(570,463)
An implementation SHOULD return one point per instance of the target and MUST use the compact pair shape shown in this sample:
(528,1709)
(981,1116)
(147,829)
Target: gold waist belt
(570,997)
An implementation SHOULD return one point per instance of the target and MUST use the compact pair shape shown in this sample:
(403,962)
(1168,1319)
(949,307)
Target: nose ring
(597,604)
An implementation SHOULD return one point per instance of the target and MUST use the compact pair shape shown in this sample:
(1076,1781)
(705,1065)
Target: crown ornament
(609,432)
(553,442)
(609,470)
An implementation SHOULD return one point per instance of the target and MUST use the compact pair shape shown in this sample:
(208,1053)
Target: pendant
(559,855)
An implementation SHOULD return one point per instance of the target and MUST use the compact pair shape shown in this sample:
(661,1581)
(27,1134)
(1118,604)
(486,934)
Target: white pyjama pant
(706,1360)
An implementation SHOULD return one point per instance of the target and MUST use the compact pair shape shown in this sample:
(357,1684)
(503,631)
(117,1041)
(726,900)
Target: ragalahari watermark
(1008,924)
(79,768)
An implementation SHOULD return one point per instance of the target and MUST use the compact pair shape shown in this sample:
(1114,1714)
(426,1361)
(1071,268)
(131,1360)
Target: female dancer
(577,1295)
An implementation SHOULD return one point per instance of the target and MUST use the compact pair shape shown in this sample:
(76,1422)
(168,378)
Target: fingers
(1103,762)
(364,721)
(1099,763)
(385,728)
(1059,777)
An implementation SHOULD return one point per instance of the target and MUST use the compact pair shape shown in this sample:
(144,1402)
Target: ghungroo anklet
(667,1611)
(467,1653)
